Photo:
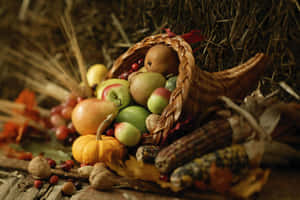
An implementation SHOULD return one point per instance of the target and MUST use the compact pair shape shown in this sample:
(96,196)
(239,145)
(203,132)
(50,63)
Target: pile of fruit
(109,128)
(121,110)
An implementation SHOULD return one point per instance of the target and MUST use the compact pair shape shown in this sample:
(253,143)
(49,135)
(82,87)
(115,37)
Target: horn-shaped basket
(195,89)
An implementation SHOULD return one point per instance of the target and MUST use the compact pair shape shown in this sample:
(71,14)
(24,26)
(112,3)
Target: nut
(68,188)
(101,178)
(39,168)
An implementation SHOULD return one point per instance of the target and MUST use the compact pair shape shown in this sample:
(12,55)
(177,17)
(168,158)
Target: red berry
(134,66)
(71,101)
(164,177)
(123,75)
(53,179)
(70,162)
(67,112)
(110,132)
(38,184)
(140,61)
(57,120)
(45,121)
(65,167)
(56,110)
(52,163)
(62,133)
(71,128)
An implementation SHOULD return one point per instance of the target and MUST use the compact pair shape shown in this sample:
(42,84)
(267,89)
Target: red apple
(116,93)
(127,134)
(158,100)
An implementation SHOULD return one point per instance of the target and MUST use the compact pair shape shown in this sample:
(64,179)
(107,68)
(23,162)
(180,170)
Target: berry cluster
(66,166)
(60,119)
(134,67)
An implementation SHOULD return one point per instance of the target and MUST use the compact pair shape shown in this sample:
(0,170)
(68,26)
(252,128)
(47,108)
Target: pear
(162,59)
(142,85)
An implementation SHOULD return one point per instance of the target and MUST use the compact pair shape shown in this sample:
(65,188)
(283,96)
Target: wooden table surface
(284,184)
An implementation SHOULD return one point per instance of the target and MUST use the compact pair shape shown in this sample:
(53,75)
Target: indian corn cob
(213,135)
(234,158)
(147,153)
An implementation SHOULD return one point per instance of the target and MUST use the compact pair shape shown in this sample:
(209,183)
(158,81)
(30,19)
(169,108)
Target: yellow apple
(96,74)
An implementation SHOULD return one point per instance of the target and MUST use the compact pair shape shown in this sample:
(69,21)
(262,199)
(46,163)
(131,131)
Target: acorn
(162,59)
(68,188)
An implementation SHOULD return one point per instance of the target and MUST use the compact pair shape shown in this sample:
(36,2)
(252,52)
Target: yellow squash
(88,149)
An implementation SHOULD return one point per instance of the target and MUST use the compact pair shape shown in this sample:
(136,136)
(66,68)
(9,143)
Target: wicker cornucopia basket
(195,89)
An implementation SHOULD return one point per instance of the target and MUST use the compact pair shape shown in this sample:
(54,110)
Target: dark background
(235,30)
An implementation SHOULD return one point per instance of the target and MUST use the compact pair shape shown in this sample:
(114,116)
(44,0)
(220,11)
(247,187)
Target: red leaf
(12,131)
(21,131)
(12,153)
(169,32)
(193,36)
(28,98)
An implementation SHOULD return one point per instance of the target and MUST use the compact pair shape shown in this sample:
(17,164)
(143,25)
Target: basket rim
(186,67)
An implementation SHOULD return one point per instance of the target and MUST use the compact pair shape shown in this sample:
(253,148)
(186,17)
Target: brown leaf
(251,184)
(134,169)
(269,119)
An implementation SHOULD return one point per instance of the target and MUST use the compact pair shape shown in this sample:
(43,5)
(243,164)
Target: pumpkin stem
(103,126)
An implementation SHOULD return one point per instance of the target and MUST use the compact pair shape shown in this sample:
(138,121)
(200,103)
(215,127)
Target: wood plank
(283,184)
(89,193)
(47,193)
(6,185)
(10,163)
(29,194)
(21,165)
(56,193)
(15,190)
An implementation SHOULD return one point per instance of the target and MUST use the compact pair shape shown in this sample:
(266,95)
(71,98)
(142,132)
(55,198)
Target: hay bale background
(235,30)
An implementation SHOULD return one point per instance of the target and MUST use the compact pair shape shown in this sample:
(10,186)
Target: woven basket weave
(196,89)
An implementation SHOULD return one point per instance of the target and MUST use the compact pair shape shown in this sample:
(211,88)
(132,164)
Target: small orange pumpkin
(90,149)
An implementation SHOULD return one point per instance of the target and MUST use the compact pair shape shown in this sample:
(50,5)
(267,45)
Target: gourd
(90,149)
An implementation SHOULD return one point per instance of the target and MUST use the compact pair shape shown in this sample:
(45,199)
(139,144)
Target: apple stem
(102,126)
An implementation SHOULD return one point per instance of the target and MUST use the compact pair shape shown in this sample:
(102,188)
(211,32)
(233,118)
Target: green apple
(135,115)
(171,83)
(158,100)
(118,94)
(96,74)
(127,134)
(104,84)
